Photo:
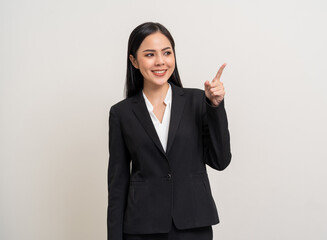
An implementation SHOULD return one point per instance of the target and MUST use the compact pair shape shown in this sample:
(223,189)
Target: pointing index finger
(220,71)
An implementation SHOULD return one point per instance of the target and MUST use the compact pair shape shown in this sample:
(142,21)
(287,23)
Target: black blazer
(164,185)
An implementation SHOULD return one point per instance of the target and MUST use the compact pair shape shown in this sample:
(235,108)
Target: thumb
(206,84)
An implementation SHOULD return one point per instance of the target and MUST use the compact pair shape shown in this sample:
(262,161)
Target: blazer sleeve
(118,178)
(215,135)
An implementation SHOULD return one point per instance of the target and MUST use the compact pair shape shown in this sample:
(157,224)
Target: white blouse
(161,128)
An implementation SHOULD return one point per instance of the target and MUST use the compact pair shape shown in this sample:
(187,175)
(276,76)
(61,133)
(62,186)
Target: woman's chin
(157,82)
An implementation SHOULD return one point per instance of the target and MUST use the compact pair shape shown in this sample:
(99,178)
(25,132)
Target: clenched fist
(214,90)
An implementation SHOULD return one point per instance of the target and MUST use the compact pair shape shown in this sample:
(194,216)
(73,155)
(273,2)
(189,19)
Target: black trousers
(201,233)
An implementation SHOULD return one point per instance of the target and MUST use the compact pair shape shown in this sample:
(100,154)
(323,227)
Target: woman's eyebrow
(152,50)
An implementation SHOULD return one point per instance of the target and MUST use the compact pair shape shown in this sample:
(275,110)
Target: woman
(168,133)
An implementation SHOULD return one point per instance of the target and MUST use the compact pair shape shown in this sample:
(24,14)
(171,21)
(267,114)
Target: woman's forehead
(155,41)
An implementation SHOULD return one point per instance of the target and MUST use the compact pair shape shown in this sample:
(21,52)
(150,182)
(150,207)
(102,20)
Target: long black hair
(134,78)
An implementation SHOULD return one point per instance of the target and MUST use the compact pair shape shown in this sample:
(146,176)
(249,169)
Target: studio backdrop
(63,65)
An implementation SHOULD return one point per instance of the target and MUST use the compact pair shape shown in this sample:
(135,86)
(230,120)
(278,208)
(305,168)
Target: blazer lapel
(177,108)
(143,116)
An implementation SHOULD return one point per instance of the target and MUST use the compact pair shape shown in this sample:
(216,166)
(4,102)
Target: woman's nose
(159,60)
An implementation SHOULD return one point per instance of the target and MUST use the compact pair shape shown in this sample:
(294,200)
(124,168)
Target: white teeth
(160,71)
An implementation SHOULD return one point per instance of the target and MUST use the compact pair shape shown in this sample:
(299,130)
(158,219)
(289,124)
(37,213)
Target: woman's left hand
(214,90)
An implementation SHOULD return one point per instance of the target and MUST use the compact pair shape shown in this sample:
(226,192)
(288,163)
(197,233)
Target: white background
(63,64)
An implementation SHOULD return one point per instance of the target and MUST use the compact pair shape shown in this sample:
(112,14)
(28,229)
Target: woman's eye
(149,55)
(167,53)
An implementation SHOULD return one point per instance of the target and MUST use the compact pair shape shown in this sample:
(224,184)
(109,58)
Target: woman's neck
(156,94)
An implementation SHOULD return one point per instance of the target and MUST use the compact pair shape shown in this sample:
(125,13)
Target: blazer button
(168,176)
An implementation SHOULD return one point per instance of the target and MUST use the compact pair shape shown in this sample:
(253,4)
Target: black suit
(164,185)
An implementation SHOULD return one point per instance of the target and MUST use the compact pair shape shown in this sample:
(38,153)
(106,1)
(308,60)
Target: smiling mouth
(160,71)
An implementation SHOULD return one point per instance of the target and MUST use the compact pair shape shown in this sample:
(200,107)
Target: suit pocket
(202,179)
(137,188)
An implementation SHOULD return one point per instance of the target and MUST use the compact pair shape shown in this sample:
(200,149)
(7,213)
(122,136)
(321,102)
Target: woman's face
(155,59)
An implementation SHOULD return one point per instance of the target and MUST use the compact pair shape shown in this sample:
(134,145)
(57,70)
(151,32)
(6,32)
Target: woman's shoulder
(193,93)
(190,91)
(193,96)
(194,90)
(122,104)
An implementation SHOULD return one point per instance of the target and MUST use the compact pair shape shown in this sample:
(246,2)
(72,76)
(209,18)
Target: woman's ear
(133,61)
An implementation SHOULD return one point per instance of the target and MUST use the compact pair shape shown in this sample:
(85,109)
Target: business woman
(167,134)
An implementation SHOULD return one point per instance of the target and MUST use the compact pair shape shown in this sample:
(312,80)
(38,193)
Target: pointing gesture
(214,90)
